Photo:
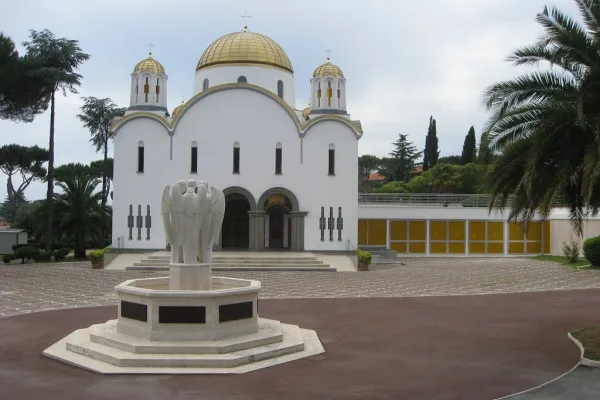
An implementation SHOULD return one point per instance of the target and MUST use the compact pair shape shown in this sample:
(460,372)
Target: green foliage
(7,258)
(431,153)
(544,125)
(364,257)
(59,255)
(367,164)
(27,253)
(394,187)
(453,160)
(96,256)
(44,256)
(571,251)
(21,245)
(469,152)
(485,154)
(450,178)
(28,217)
(22,94)
(591,250)
(403,159)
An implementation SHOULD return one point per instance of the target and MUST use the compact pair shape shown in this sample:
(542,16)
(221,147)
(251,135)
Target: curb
(584,361)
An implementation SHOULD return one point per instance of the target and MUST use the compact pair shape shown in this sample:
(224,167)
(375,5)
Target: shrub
(21,245)
(571,251)
(591,250)
(59,255)
(96,256)
(364,257)
(44,256)
(26,253)
(7,259)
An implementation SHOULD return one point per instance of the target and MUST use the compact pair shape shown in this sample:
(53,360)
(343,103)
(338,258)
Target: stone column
(257,230)
(298,230)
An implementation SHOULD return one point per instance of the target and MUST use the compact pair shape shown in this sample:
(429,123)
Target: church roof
(328,69)
(149,65)
(245,48)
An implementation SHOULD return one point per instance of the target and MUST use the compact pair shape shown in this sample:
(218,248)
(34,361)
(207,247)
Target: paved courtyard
(36,287)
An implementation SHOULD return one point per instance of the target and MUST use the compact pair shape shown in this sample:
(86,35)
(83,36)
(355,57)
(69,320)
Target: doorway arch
(236,229)
(283,221)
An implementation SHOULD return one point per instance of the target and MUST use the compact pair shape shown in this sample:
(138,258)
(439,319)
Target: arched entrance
(235,231)
(279,222)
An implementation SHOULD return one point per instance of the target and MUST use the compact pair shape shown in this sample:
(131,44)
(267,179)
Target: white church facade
(289,175)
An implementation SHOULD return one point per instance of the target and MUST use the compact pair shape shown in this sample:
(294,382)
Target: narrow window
(339,95)
(194,167)
(236,158)
(137,89)
(205,84)
(329,93)
(140,157)
(331,159)
(278,159)
(280,88)
(319,95)
(242,79)
(146,90)
(157,89)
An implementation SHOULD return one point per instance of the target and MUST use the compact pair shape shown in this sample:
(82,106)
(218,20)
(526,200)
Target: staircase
(381,252)
(243,261)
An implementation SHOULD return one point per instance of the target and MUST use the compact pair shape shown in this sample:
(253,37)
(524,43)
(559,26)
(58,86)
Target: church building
(289,175)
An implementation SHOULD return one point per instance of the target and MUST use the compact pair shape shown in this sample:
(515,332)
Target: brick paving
(38,287)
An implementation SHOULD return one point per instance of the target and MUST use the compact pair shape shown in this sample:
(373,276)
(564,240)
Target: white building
(289,175)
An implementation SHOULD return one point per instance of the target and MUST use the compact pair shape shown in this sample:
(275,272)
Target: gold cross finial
(328,52)
(150,46)
(246,16)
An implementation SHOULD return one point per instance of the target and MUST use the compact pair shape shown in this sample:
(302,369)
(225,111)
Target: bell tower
(149,86)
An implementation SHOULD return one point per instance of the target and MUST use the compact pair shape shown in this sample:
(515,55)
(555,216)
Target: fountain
(189,322)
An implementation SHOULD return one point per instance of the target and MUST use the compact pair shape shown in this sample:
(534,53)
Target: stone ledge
(584,361)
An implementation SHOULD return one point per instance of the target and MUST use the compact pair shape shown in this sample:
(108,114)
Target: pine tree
(431,153)
(469,152)
(403,157)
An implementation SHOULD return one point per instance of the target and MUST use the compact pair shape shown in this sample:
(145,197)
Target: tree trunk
(104,189)
(80,247)
(50,192)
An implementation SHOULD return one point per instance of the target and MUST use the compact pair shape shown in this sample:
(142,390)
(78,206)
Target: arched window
(137,89)
(331,159)
(329,93)
(140,166)
(278,158)
(146,90)
(157,89)
(319,95)
(242,79)
(236,157)
(205,84)
(339,95)
(194,158)
(280,88)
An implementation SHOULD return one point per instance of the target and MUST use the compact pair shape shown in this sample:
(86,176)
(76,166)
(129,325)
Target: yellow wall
(525,243)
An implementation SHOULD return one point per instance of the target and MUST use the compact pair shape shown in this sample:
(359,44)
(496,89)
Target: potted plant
(364,260)
(97,259)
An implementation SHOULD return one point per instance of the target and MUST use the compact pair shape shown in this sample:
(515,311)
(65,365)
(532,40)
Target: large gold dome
(149,65)
(245,48)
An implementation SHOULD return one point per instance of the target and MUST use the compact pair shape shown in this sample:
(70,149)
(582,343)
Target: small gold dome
(149,65)
(177,110)
(245,48)
(328,69)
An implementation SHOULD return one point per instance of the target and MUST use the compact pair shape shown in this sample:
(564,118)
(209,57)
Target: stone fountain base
(160,330)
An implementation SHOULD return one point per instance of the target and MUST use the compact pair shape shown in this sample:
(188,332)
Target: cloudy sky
(404,60)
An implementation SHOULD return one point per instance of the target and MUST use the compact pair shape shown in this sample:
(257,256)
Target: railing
(433,199)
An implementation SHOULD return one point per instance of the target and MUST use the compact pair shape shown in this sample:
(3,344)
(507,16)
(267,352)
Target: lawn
(562,260)
(590,340)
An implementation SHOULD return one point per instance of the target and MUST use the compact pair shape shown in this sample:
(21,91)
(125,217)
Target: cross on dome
(150,46)
(328,53)
(246,16)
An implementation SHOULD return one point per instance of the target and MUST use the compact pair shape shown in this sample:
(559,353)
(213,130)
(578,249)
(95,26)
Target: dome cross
(328,53)
(150,46)
(246,16)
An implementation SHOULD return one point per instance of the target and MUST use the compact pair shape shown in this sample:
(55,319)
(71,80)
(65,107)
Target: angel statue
(212,221)
(182,214)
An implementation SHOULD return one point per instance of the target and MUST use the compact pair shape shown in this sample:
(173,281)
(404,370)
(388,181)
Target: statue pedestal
(189,277)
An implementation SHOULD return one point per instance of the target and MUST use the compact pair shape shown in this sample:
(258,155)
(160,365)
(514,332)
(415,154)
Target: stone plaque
(181,315)
(136,311)
(235,311)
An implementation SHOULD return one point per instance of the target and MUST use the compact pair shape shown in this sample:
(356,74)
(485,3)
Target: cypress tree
(431,153)
(469,152)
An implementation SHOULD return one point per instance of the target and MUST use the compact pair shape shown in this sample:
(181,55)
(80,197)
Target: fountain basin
(148,309)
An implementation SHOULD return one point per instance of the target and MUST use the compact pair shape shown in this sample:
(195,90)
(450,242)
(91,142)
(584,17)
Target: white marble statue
(192,216)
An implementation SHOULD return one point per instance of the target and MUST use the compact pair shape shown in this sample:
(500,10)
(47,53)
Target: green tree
(23,95)
(545,124)
(431,153)
(454,160)
(485,154)
(402,159)
(104,169)
(367,164)
(60,59)
(28,216)
(97,115)
(26,163)
(394,187)
(469,148)
(79,210)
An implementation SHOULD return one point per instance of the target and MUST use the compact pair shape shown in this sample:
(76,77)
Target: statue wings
(217,207)
(167,211)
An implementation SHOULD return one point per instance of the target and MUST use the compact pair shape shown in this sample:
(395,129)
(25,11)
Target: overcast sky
(404,60)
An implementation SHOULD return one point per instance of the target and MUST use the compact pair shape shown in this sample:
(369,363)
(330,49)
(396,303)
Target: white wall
(264,77)
(258,123)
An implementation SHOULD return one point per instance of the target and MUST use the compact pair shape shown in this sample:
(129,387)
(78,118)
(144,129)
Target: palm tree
(545,125)
(79,210)
(58,59)
(97,115)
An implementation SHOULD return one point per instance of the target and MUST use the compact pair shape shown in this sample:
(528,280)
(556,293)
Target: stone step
(232,257)
(155,261)
(244,267)
(80,344)
(106,334)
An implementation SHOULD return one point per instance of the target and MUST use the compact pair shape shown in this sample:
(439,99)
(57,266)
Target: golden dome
(328,69)
(177,110)
(149,65)
(245,48)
